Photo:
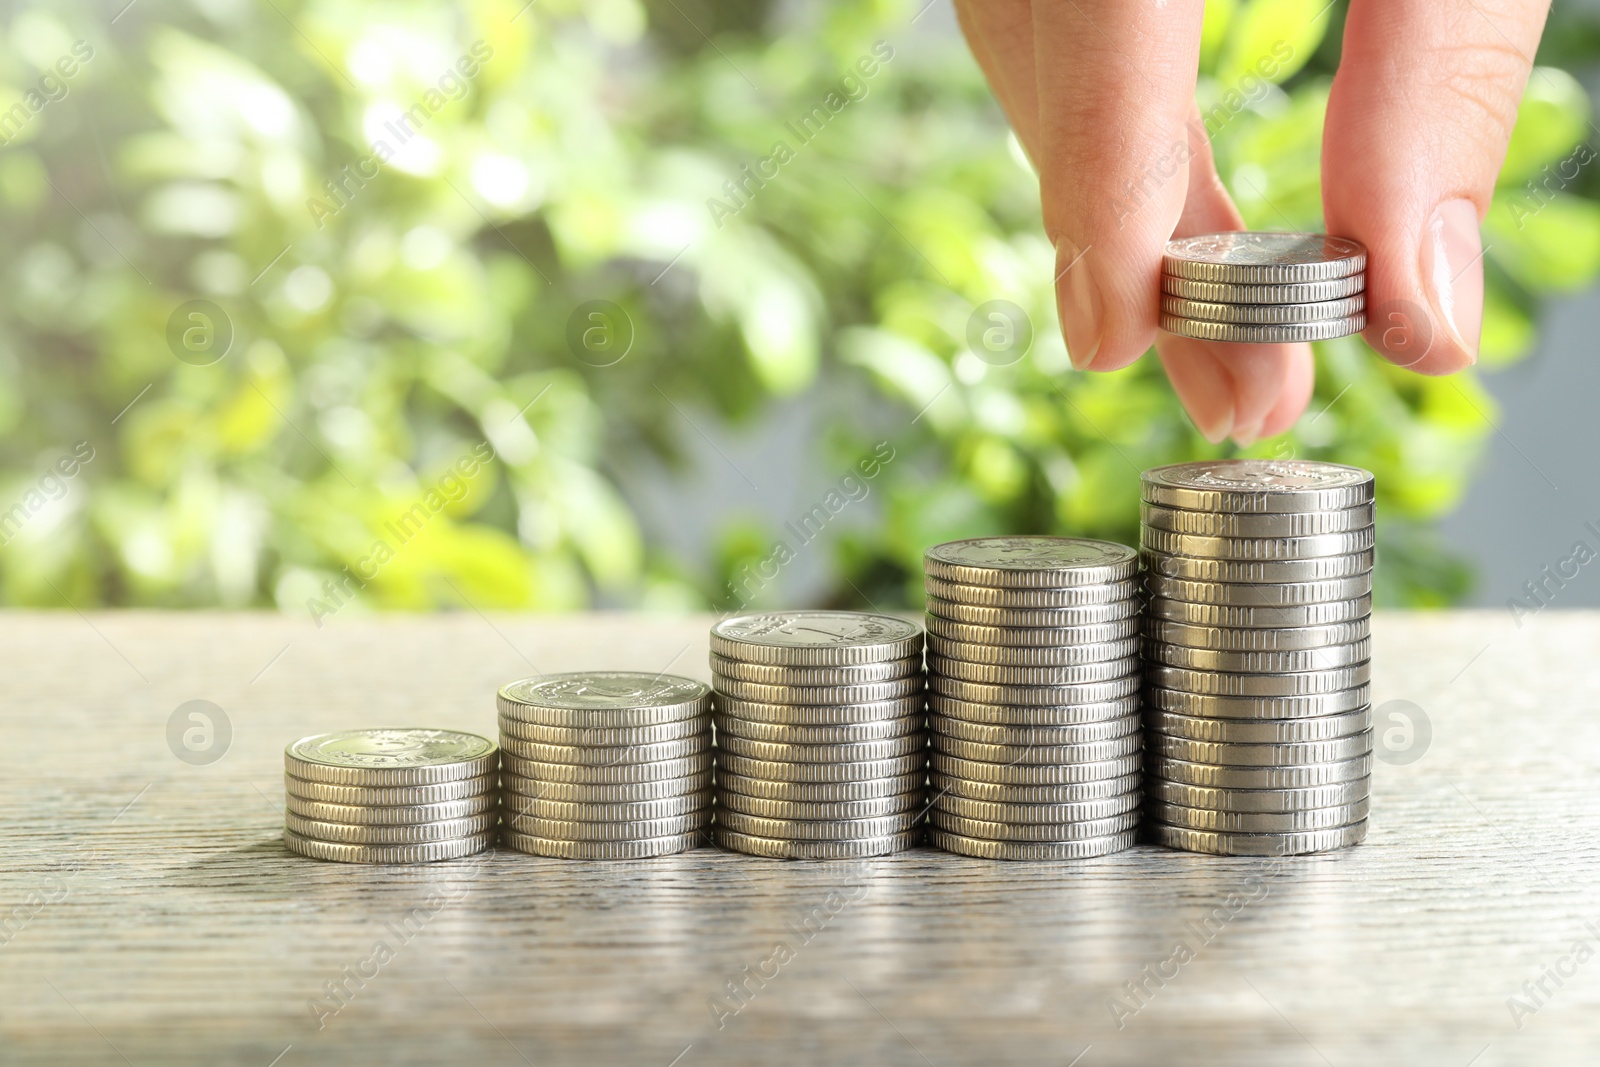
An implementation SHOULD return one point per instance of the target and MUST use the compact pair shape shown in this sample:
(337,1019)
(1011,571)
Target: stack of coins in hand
(822,747)
(390,795)
(605,764)
(1264,287)
(1258,577)
(1033,678)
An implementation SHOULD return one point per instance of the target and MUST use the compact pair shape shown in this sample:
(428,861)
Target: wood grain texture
(180,931)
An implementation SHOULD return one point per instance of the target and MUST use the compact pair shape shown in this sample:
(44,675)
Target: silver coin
(739,822)
(819,792)
(1258,548)
(985,733)
(993,596)
(1228,707)
(1277,754)
(642,830)
(1034,695)
(1281,293)
(859,771)
(1196,568)
(1310,659)
(812,695)
(851,752)
(1256,844)
(1258,639)
(820,714)
(1222,683)
(602,736)
(603,699)
(373,795)
(775,674)
(1030,814)
(1012,715)
(1245,486)
(816,638)
(874,807)
(390,757)
(773,848)
(944,785)
(1263,258)
(428,852)
(603,850)
(1215,776)
(1033,774)
(1010,656)
(1039,755)
(612,775)
(1269,524)
(1032,636)
(639,811)
(1274,801)
(1258,731)
(1028,562)
(881,729)
(995,674)
(1287,333)
(1257,618)
(1040,831)
(1234,822)
(520,794)
(390,814)
(1266,595)
(1084,615)
(413,834)
(1031,850)
(610,756)
(1263,314)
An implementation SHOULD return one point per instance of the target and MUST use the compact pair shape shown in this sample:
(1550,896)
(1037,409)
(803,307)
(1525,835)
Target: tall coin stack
(390,795)
(602,765)
(1033,678)
(822,747)
(1264,287)
(1258,576)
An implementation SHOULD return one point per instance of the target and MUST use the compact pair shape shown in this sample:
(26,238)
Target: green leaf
(1552,122)
(1269,40)
(1553,246)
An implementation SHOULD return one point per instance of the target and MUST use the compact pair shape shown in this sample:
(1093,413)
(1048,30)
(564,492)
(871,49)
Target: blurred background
(339,306)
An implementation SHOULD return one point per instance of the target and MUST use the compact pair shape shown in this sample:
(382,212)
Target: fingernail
(1078,303)
(1216,429)
(1452,267)
(1247,436)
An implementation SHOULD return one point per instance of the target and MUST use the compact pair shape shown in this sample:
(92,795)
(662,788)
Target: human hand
(1417,126)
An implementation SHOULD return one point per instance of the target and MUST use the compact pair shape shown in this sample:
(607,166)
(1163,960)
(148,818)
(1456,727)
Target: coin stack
(390,795)
(822,746)
(1264,287)
(605,764)
(1258,579)
(1033,679)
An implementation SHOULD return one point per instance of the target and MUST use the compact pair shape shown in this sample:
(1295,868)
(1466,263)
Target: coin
(1248,486)
(994,674)
(1263,314)
(873,807)
(1258,800)
(817,829)
(1263,258)
(1221,683)
(819,792)
(1009,656)
(518,792)
(774,674)
(1083,615)
(1086,810)
(1264,639)
(607,756)
(816,638)
(1023,755)
(1286,333)
(820,714)
(1266,595)
(997,734)
(1196,568)
(1040,831)
(1001,597)
(1256,844)
(1033,636)
(602,850)
(1034,696)
(1033,774)
(853,752)
(866,693)
(1219,777)
(616,774)
(1258,548)
(1278,754)
(428,852)
(775,848)
(1030,562)
(1031,850)
(607,699)
(732,726)
(820,772)
(1309,659)
(1262,731)
(390,757)
(1230,707)
(942,785)
(642,830)
(368,795)
(1281,293)
(638,811)
(601,736)
(411,834)
(389,814)
(1234,822)
(1068,715)
(1256,618)
(1269,524)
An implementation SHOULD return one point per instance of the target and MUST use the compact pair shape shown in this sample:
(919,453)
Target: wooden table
(151,915)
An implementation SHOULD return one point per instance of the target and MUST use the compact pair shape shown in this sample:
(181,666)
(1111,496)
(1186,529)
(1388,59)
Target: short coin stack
(1258,578)
(822,747)
(1264,287)
(390,795)
(1033,678)
(603,765)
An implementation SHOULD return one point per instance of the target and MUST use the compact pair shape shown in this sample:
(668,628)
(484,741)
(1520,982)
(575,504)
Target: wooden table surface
(149,914)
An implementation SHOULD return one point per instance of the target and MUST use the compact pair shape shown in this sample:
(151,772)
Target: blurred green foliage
(387,325)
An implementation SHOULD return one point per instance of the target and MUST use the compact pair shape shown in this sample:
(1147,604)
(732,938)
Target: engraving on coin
(383,749)
(604,689)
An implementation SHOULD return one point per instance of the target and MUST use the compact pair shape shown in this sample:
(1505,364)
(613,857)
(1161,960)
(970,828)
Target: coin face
(1007,560)
(1264,258)
(604,689)
(816,638)
(1257,476)
(390,748)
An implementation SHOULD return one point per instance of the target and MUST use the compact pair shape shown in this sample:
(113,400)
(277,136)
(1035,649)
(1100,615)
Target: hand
(1417,126)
